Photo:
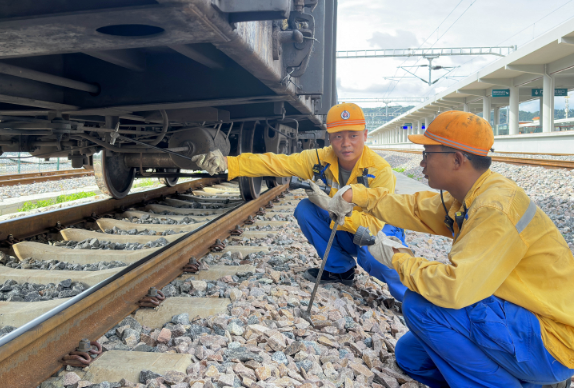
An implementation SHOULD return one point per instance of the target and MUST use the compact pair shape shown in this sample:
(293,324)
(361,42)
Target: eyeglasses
(425,153)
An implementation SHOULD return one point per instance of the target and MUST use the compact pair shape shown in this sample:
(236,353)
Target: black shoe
(346,278)
(563,384)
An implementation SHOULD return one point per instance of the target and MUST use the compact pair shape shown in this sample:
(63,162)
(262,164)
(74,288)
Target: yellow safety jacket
(301,165)
(507,247)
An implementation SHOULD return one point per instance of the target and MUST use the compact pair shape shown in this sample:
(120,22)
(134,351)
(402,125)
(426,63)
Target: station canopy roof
(552,54)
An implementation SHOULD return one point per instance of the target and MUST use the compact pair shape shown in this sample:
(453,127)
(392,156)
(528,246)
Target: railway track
(200,211)
(34,177)
(546,163)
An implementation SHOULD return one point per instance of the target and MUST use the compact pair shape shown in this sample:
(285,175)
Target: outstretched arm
(421,212)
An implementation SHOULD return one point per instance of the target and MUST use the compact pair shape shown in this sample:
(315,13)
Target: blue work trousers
(315,224)
(492,343)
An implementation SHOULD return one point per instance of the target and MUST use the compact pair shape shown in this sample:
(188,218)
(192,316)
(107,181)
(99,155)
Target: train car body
(135,88)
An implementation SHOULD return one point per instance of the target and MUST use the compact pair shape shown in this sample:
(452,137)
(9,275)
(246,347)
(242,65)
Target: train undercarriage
(135,88)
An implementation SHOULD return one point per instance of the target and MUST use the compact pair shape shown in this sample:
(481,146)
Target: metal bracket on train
(295,40)
(218,246)
(260,212)
(86,353)
(269,205)
(153,298)
(252,10)
(249,221)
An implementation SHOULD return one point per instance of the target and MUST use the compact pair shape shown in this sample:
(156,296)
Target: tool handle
(297,183)
(318,281)
(364,237)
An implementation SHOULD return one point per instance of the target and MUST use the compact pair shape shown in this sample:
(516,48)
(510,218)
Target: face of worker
(348,145)
(436,167)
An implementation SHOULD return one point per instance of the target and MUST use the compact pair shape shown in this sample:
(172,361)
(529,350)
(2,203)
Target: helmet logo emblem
(345,115)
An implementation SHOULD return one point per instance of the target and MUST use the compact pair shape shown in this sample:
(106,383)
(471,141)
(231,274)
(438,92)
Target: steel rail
(32,225)
(96,310)
(27,178)
(546,163)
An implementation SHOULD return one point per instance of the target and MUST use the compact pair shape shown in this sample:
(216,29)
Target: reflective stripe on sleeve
(526,217)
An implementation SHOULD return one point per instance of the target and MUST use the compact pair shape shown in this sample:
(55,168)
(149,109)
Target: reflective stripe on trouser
(315,224)
(492,343)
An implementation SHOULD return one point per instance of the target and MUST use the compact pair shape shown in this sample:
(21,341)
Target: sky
(373,24)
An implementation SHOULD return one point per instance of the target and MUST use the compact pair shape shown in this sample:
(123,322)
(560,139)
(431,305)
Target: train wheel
(169,182)
(113,177)
(251,141)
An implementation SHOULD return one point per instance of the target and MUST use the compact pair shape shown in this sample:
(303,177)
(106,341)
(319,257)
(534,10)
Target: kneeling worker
(501,314)
(342,163)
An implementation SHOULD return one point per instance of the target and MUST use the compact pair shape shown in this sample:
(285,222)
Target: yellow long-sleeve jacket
(301,165)
(507,247)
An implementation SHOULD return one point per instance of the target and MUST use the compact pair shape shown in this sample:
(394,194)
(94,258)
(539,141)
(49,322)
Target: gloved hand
(318,196)
(382,250)
(213,162)
(339,208)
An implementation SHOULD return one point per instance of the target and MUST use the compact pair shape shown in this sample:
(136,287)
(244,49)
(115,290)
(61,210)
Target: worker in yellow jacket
(501,313)
(346,161)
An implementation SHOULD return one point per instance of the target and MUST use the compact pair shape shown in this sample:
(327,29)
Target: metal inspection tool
(298,183)
(363,237)
(306,315)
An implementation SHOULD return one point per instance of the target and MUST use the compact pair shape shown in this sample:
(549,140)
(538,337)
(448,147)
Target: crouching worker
(342,163)
(501,314)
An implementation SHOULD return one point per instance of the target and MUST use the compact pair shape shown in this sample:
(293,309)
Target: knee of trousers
(403,352)
(415,307)
(304,209)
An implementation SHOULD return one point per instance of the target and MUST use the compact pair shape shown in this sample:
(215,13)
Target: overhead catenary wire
(515,34)
(432,33)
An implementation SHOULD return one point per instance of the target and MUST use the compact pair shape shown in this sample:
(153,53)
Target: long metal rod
(318,281)
(181,175)
(21,72)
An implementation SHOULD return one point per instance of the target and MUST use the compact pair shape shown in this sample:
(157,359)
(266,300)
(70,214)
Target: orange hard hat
(460,130)
(345,117)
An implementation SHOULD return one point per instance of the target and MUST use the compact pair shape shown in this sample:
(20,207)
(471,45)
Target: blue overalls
(315,224)
(491,343)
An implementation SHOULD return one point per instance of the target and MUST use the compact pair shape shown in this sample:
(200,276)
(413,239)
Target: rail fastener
(192,266)
(153,298)
(237,231)
(218,246)
(86,353)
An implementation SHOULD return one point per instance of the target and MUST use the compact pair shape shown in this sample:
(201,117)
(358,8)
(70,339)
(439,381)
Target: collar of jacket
(470,196)
(475,189)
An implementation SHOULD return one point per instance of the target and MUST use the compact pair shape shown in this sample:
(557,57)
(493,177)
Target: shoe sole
(312,279)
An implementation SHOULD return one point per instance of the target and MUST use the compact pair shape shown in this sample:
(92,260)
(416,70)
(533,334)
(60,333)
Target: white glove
(339,208)
(213,162)
(318,196)
(382,250)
